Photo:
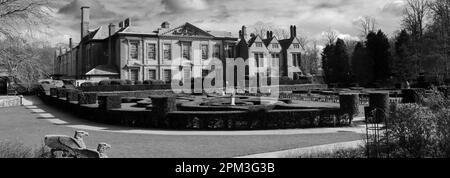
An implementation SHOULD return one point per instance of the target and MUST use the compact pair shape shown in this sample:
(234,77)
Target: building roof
(221,34)
(103,70)
(286,43)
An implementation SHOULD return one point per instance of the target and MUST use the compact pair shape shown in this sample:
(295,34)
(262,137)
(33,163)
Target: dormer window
(259,44)
(297,46)
(276,46)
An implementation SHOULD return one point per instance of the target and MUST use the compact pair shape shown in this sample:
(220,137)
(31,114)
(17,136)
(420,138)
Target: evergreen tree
(378,48)
(403,65)
(327,63)
(342,62)
(362,65)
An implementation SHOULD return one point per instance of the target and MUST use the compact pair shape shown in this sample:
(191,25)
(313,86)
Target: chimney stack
(127,22)
(112,29)
(244,31)
(70,44)
(121,25)
(85,18)
(295,31)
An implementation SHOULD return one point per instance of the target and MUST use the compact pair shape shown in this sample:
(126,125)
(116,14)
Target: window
(167,75)
(216,51)
(230,51)
(204,52)
(152,74)
(134,74)
(275,46)
(151,51)
(186,47)
(134,47)
(296,46)
(259,44)
(275,59)
(296,59)
(259,57)
(167,51)
(187,73)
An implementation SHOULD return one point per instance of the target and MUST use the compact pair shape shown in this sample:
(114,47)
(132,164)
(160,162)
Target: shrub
(412,131)
(72,95)
(109,102)
(119,82)
(9,149)
(87,98)
(154,82)
(138,83)
(88,84)
(104,83)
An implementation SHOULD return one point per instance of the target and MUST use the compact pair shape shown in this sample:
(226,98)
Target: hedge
(87,98)
(109,102)
(72,95)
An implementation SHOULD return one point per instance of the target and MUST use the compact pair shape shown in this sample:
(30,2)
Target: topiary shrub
(129,82)
(138,82)
(119,82)
(412,95)
(104,83)
(379,103)
(109,102)
(72,95)
(87,98)
(349,104)
(62,92)
(54,92)
(88,84)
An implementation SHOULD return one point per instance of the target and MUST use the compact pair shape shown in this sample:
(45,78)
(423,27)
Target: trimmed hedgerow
(54,92)
(349,103)
(62,92)
(109,102)
(72,95)
(154,82)
(87,98)
(412,95)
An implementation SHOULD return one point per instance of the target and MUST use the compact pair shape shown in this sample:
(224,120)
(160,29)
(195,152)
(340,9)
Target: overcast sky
(312,17)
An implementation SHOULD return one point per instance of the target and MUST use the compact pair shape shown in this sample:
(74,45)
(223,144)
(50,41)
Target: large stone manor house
(123,52)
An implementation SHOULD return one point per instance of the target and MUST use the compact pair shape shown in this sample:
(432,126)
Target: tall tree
(366,25)
(378,47)
(415,13)
(328,63)
(17,15)
(342,63)
(403,65)
(362,65)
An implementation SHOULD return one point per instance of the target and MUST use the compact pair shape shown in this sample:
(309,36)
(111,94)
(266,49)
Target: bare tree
(23,62)
(261,28)
(18,15)
(415,13)
(440,10)
(330,36)
(367,24)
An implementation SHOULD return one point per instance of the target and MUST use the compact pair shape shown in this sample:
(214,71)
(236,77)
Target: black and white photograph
(241,79)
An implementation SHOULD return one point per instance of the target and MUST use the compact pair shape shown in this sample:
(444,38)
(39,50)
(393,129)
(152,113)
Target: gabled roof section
(186,30)
(103,70)
(254,39)
(268,41)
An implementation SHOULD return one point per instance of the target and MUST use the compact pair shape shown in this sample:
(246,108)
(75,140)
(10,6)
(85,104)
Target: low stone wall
(10,101)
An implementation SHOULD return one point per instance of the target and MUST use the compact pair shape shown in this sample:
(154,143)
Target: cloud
(394,8)
(180,6)
(98,10)
(312,17)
